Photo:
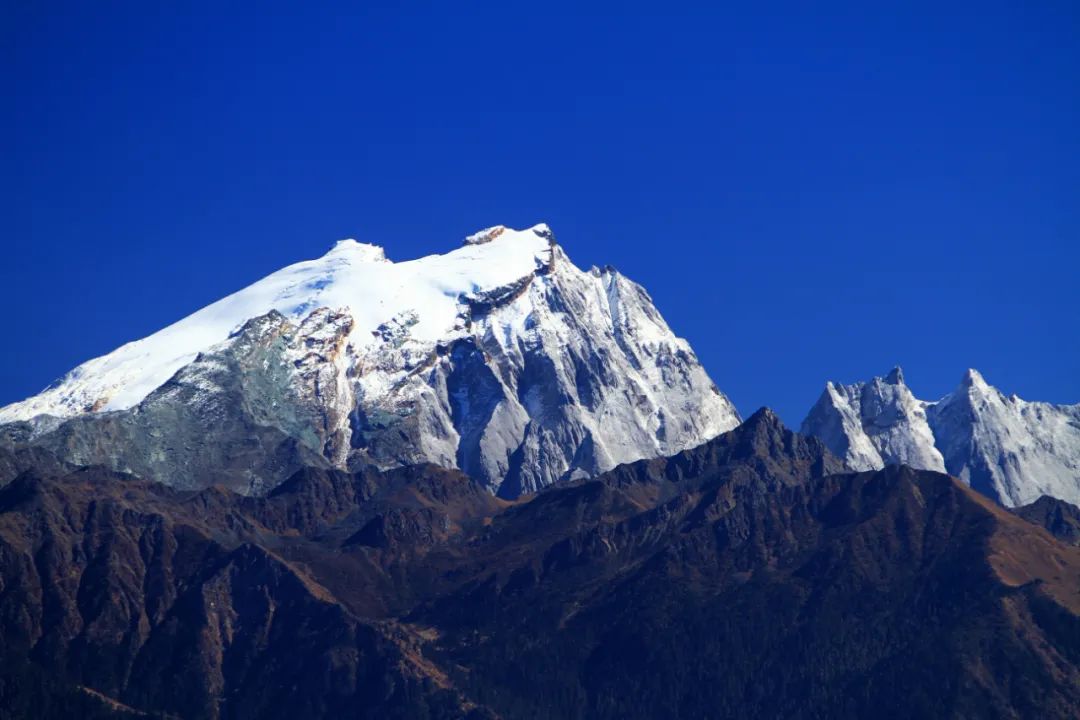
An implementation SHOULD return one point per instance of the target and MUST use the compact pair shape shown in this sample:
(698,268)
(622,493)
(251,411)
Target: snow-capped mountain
(1007,448)
(873,424)
(500,358)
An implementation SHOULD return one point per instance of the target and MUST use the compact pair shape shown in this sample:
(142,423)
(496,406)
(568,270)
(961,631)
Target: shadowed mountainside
(747,577)
(1062,519)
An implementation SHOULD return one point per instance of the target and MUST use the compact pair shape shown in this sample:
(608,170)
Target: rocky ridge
(1009,449)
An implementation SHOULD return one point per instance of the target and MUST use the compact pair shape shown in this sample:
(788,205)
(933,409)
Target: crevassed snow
(352,275)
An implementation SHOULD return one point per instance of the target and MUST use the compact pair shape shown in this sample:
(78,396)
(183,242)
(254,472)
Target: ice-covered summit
(499,357)
(1009,448)
(1005,447)
(358,251)
(973,379)
(351,275)
(873,424)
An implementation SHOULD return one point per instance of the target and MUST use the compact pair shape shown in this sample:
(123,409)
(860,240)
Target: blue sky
(808,190)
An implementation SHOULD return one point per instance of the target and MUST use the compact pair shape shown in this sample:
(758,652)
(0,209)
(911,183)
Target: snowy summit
(499,357)
(1007,448)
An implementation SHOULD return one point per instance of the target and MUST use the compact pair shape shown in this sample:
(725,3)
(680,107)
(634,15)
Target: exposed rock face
(741,578)
(1009,449)
(500,358)
(248,410)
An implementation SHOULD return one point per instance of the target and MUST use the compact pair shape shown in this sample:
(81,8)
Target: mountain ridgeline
(747,577)
(1009,449)
(501,359)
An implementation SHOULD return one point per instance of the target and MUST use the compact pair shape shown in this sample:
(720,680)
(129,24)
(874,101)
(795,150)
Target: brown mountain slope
(890,594)
(748,577)
(167,602)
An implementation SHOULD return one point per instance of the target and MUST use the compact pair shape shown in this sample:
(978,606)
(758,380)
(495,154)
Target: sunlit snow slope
(352,275)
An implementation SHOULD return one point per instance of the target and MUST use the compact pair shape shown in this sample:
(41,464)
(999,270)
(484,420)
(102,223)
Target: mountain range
(489,484)
(748,577)
(500,358)
(1009,449)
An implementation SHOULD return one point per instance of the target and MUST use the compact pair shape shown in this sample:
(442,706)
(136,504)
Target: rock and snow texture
(873,424)
(501,358)
(1007,448)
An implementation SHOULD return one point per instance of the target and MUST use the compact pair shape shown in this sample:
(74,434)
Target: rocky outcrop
(1061,519)
(246,412)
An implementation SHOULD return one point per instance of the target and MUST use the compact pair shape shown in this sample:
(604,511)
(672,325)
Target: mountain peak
(762,430)
(875,423)
(486,235)
(1005,447)
(895,376)
(450,358)
(764,419)
(973,379)
(543,231)
(362,252)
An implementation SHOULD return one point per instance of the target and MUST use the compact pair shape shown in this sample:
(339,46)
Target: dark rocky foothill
(748,577)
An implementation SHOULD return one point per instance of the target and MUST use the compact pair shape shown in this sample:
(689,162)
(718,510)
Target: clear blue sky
(808,190)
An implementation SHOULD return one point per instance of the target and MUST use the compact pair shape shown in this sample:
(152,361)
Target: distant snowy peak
(1006,447)
(875,423)
(500,357)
